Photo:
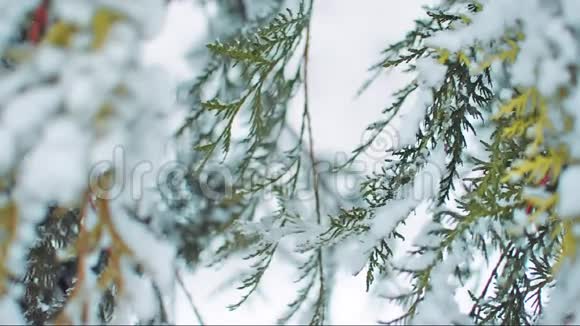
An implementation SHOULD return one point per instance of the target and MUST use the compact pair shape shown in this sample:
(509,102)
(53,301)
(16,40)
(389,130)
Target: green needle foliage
(244,95)
(478,171)
(472,216)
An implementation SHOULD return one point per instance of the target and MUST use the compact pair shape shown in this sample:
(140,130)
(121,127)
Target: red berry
(545,179)
(39,21)
(529,209)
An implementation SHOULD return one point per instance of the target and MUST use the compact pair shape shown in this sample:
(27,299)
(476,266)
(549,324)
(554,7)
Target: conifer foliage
(487,162)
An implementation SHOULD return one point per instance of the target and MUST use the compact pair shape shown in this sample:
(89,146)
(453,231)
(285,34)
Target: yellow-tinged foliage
(569,242)
(443,56)
(60,34)
(530,112)
(517,104)
(463,58)
(8,226)
(508,55)
(528,115)
(542,205)
(537,167)
(103,21)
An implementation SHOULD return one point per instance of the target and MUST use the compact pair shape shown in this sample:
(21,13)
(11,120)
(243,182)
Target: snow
(52,133)
(572,107)
(77,12)
(571,11)
(49,168)
(569,188)
(26,113)
(439,305)
(7,150)
(18,251)
(12,82)
(138,294)
(82,96)
(554,74)
(105,148)
(64,109)
(88,80)
(410,117)
(49,60)
(10,312)
(445,40)
(562,38)
(142,82)
(292,66)
(486,26)
(419,262)
(426,182)
(352,249)
(389,215)
(11,14)
(58,162)
(211,88)
(147,15)
(424,187)
(431,73)
(121,41)
(564,297)
(156,256)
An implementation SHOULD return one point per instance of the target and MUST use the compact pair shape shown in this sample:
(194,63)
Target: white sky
(347,36)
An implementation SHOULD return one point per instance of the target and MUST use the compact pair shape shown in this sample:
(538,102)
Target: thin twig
(487,284)
(189,298)
(308,118)
(163,318)
(311,151)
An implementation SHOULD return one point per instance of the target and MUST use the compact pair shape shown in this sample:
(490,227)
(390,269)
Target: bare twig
(487,284)
(189,298)
(311,153)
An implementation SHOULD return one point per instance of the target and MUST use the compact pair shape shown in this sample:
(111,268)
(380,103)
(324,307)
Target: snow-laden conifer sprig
(514,211)
(252,78)
(262,58)
(443,112)
(248,78)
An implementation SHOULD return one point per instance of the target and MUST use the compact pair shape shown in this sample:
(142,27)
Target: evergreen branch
(309,271)
(265,254)
(378,260)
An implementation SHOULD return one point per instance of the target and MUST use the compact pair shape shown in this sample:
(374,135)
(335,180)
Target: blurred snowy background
(347,37)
